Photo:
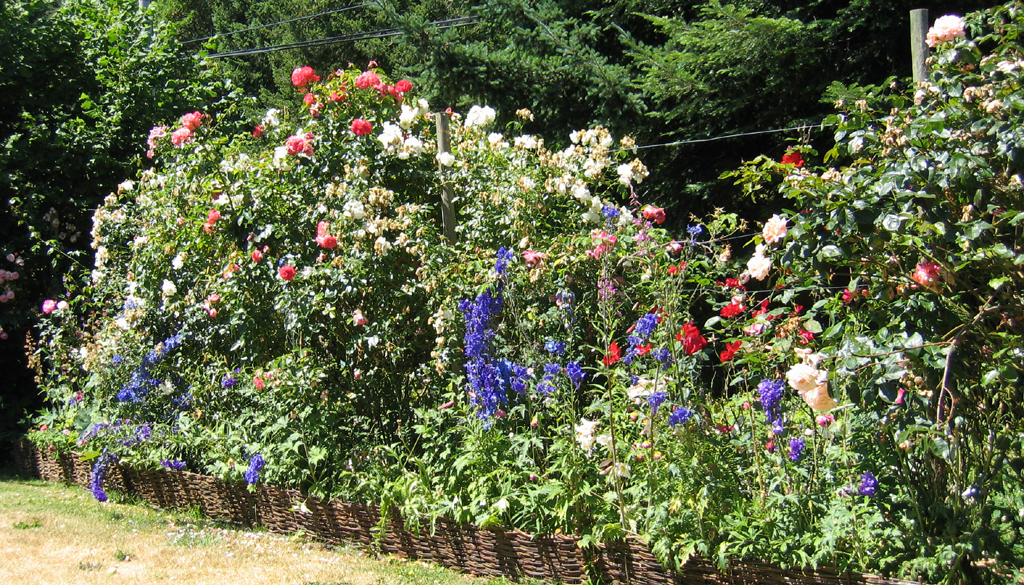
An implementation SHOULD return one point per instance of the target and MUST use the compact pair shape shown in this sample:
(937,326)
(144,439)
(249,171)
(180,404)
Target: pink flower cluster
(323,237)
(155,133)
(300,144)
(361,127)
(5,275)
(603,242)
(50,305)
(653,214)
(927,274)
(7,296)
(189,124)
(211,218)
(368,79)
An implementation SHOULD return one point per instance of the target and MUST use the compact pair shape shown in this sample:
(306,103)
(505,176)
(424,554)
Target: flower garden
(836,385)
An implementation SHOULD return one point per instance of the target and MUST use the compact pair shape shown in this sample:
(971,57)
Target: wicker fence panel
(484,552)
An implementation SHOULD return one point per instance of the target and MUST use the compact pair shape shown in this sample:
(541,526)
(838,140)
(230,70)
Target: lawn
(58,534)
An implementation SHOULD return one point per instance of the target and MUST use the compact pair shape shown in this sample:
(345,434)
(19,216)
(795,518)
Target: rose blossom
(303,76)
(257,132)
(403,86)
(257,256)
(654,214)
(359,319)
(824,420)
(192,121)
(361,127)
(793,158)
(300,145)
(62,305)
(774,229)
(287,272)
(945,29)
(818,398)
(367,79)
(759,265)
(181,136)
(803,377)
(926,274)
(48,306)
(257,382)
(533,258)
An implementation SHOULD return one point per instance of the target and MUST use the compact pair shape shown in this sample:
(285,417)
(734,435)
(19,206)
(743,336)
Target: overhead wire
(380,33)
(269,24)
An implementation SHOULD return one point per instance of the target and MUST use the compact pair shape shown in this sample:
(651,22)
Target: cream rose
(818,398)
(774,229)
(803,377)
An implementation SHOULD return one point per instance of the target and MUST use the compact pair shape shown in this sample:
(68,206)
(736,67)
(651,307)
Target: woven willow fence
(484,552)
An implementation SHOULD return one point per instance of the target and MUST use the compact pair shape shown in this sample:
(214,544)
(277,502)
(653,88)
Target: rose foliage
(840,388)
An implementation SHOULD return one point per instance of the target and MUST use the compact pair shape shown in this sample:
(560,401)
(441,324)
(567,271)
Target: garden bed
(488,552)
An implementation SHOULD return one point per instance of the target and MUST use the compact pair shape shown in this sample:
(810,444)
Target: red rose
(793,158)
(654,214)
(361,127)
(327,241)
(257,256)
(337,97)
(213,216)
(403,86)
(303,76)
(732,309)
(287,272)
(257,132)
(309,98)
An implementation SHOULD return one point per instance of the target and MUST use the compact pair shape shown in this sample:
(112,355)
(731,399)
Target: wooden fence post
(447,209)
(918,44)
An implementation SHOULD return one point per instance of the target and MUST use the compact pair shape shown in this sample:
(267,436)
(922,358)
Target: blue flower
(655,400)
(252,475)
(679,416)
(99,472)
(695,230)
(555,347)
(575,373)
(612,213)
(646,325)
(771,402)
(868,485)
(796,447)
(174,464)
(504,257)
(228,381)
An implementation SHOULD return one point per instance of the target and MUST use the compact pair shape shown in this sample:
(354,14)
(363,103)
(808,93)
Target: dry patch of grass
(61,535)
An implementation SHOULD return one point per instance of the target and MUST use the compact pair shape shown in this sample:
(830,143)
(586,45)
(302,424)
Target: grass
(55,534)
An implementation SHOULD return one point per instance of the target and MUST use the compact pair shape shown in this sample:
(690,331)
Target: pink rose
(327,241)
(299,145)
(654,214)
(257,382)
(945,29)
(359,319)
(49,305)
(192,121)
(181,136)
(154,133)
(309,99)
(367,79)
(361,127)
(287,272)
(257,256)
(213,216)
(533,258)
(926,274)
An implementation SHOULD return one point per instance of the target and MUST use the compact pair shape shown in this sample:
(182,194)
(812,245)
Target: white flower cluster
(480,116)
(395,142)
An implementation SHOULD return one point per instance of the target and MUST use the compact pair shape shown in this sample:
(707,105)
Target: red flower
(309,99)
(257,132)
(181,136)
(793,158)
(303,76)
(337,97)
(361,127)
(213,216)
(613,355)
(643,349)
(257,256)
(735,307)
(692,340)
(287,272)
(403,86)
(328,241)
(730,351)
(806,337)
(257,382)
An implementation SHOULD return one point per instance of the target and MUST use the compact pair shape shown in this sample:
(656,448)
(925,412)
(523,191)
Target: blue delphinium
(252,475)
(771,402)
(655,400)
(796,447)
(575,373)
(612,213)
(646,325)
(173,464)
(141,381)
(679,416)
(695,230)
(547,385)
(868,485)
(504,257)
(99,472)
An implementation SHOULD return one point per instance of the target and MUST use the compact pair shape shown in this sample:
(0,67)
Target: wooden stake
(918,46)
(447,194)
